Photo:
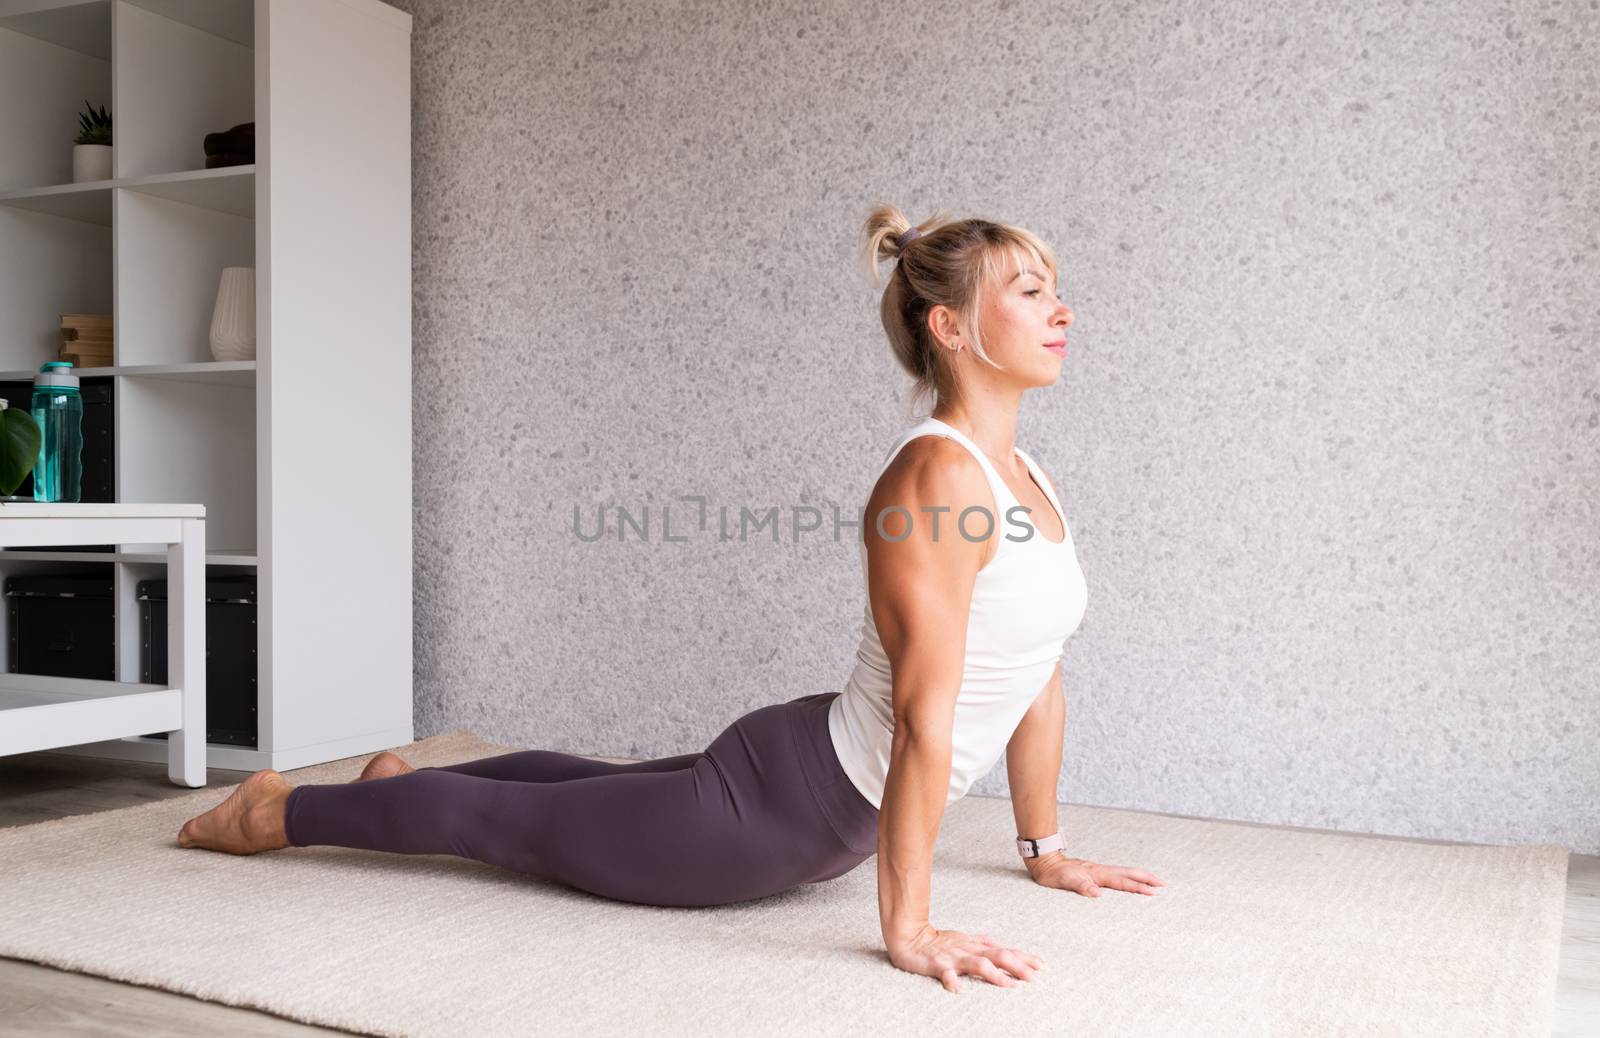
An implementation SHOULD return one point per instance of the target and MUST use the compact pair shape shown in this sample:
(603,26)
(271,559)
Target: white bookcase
(302,457)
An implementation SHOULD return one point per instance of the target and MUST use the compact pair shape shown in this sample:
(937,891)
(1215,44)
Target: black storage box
(64,626)
(99,473)
(230,653)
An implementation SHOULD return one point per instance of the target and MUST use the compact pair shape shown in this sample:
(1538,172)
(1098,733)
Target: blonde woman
(973,586)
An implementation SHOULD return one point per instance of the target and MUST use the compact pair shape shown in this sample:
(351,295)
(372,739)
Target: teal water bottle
(58,408)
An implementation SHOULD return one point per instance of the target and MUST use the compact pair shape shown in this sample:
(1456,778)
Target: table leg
(186,652)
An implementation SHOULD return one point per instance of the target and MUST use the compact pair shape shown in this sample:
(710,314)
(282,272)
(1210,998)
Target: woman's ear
(942,322)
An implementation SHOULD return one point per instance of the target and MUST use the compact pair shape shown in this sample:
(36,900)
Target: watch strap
(1044,845)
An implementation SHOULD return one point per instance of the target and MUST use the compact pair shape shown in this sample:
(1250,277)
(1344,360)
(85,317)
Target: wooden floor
(44,1002)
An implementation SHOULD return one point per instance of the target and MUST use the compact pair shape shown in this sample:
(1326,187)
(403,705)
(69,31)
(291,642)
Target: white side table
(39,712)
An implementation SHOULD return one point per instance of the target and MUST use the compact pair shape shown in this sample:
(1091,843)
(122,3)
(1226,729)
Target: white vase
(233,322)
(91,162)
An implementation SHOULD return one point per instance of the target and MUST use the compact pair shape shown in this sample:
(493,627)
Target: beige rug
(1258,931)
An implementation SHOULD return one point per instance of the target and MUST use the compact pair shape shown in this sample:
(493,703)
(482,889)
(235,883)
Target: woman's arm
(908,826)
(920,589)
(1033,763)
(1033,766)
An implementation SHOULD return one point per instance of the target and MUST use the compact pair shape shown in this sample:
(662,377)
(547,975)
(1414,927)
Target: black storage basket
(230,653)
(62,626)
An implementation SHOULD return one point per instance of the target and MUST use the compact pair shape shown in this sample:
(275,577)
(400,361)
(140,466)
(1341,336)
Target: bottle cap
(56,373)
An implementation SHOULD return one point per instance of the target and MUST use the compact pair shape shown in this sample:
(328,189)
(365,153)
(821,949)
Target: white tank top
(1026,602)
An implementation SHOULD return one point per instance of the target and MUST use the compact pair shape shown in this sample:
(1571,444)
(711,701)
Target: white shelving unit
(301,457)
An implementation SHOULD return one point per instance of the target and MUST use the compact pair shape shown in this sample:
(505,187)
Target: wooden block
(86,338)
(86,358)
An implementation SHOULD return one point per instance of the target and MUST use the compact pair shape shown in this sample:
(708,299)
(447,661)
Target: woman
(968,607)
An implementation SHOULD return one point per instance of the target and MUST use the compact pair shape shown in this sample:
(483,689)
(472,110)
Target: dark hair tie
(908,237)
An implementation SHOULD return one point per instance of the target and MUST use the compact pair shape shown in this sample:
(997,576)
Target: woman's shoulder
(932,481)
(933,465)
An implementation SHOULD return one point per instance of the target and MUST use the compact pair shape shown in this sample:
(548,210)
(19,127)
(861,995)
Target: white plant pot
(91,162)
(233,322)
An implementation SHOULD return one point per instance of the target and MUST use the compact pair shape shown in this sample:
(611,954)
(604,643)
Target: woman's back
(1027,600)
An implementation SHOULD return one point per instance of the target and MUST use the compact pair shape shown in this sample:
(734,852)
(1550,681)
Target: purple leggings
(764,808)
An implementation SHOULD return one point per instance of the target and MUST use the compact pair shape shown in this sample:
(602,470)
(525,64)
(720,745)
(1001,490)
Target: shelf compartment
(49,266)
(175,83)
(51,62)
(189,441)
(170,257)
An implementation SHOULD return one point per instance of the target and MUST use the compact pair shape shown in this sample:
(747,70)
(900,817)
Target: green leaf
(19,447)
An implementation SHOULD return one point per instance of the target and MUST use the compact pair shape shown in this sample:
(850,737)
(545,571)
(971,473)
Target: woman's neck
(994,432)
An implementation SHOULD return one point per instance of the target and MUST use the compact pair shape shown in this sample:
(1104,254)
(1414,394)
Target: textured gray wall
(1329,436)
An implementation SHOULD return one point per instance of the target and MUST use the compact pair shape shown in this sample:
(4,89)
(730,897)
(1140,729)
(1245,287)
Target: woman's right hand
(947,954)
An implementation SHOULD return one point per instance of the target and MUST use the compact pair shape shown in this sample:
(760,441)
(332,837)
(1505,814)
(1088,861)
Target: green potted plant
(91,154)
(19,447)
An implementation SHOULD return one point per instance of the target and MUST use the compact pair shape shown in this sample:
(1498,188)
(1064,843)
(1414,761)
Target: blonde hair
(950,263)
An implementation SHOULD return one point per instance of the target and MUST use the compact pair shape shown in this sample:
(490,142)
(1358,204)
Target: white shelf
(243,758)
(35,719)
(215,557)
(101,510)
(23,690)
(237,373)
(231,189)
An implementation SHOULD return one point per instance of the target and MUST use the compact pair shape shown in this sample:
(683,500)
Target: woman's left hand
(1087,877)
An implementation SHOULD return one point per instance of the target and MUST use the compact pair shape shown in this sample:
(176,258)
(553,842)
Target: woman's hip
(781,756)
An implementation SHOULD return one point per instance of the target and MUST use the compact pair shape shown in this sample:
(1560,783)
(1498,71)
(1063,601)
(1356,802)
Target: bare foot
(249,821)
(385,765)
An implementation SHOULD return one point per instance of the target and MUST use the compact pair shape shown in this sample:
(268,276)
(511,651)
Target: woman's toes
(202,830)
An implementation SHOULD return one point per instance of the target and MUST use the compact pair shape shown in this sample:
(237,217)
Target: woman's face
(1024,327)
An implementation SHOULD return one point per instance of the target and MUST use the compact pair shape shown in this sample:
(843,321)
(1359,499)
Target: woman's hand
(1087,877)
(947,954)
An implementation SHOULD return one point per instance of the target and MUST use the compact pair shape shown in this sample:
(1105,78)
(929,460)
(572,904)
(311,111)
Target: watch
(1044,845)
